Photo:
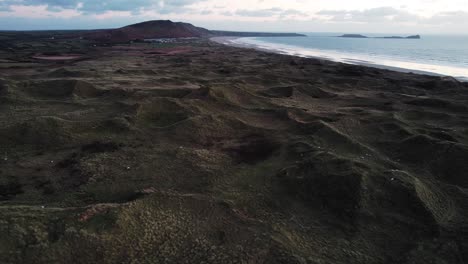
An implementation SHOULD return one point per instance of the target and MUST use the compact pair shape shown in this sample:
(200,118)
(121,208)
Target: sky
(356,16)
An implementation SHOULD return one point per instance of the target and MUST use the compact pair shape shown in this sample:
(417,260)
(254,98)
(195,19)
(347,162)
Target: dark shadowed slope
(167,29)
(148,30)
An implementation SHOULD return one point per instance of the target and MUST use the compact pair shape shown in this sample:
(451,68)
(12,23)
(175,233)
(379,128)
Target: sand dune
(228,155)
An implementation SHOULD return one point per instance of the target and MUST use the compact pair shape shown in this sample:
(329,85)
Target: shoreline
(230,41)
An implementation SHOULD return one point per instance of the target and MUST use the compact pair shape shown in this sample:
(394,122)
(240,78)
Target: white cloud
(287,15)
(40,11)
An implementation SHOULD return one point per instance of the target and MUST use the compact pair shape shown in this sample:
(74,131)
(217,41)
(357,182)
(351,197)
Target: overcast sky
(356,16)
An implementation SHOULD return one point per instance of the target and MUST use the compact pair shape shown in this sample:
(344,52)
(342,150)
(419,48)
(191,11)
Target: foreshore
(198,152)
(231,41)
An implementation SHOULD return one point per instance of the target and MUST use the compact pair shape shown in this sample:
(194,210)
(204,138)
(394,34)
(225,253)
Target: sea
(432,54)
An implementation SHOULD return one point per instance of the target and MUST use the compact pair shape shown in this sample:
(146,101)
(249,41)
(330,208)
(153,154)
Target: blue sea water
(432,54)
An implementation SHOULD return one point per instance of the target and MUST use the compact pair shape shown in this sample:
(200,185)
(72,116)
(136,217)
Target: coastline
(230,41)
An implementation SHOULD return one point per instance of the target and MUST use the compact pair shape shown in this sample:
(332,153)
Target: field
(194,152)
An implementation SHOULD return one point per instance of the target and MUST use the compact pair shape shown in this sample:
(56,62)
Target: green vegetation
(193,152)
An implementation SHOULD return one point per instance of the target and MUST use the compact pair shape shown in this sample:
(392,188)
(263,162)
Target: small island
(409,37)
(352,36)
(391,37)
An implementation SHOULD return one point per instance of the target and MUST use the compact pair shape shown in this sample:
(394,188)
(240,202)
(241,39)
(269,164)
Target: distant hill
(166,29)
(148,30)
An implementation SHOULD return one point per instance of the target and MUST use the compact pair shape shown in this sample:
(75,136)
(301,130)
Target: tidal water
(432,54)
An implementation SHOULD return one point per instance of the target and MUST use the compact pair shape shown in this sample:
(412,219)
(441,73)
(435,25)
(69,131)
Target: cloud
(455,17)
(103,6)
(41,11)
(271,12)
(393,15)
(380,14)
(285,15)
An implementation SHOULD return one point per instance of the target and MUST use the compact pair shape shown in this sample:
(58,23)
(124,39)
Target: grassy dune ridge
(194,152)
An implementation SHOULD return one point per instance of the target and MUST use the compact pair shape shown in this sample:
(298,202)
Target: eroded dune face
(225,155)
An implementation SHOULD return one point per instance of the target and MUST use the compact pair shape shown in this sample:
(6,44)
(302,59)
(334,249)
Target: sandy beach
(236,42)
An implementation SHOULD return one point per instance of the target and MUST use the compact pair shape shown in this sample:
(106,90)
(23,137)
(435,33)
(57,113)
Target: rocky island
(398,37)
(391,37)
(353,36)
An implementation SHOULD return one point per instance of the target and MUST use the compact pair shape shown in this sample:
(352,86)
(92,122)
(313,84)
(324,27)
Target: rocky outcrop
(390,37)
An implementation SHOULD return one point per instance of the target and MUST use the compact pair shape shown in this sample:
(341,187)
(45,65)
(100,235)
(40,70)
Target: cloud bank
(102,6)
(276,15)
